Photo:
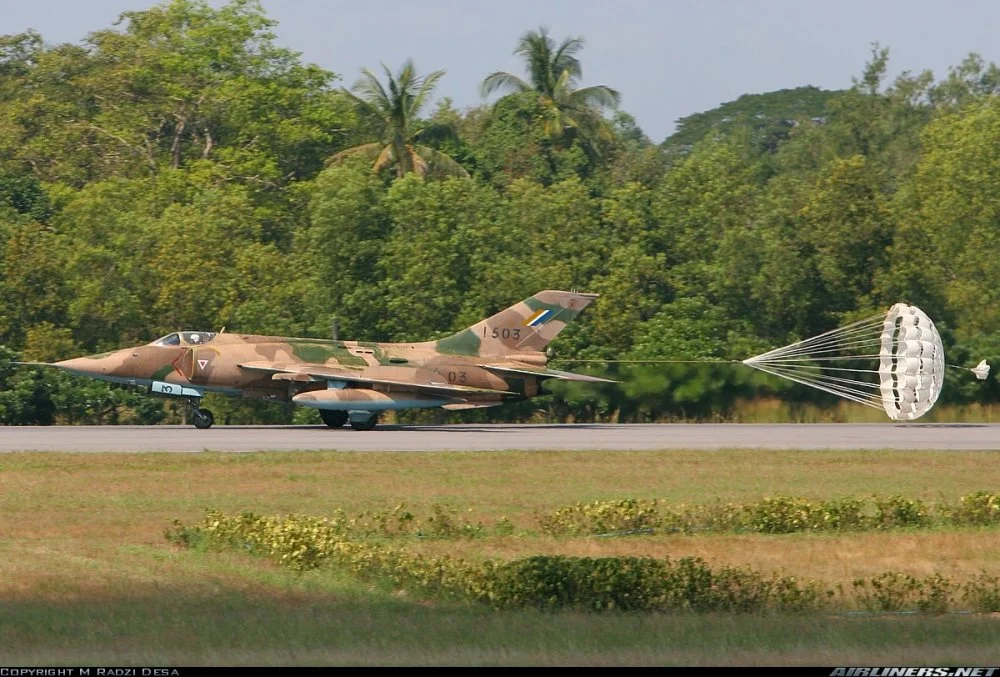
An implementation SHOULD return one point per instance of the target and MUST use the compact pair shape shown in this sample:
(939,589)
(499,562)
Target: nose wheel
(202,418)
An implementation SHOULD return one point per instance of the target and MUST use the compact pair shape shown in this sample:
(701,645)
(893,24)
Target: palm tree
(393,111)
(553,73)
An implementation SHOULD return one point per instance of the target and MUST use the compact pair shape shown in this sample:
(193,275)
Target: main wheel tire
(203,419)
(368,424)
(334,419)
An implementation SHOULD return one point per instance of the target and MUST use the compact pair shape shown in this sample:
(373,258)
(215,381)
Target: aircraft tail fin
(526,327)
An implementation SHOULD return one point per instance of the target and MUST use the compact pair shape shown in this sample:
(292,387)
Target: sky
(668,58)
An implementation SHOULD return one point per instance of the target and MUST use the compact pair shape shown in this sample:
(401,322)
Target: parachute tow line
(893,361)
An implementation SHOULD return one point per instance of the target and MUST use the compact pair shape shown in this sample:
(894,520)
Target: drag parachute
(893,361)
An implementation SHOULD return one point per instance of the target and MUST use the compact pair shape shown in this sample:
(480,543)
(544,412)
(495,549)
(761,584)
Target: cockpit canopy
(185,338)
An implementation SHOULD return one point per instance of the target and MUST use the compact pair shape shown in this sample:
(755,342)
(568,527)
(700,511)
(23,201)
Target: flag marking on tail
(538,317)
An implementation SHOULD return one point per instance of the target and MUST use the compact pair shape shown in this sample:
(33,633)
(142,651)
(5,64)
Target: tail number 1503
(505,333)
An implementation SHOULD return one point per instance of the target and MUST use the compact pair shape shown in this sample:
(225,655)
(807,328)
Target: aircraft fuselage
(215,365)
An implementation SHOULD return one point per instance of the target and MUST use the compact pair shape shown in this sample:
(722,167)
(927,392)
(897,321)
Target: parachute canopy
(893,361)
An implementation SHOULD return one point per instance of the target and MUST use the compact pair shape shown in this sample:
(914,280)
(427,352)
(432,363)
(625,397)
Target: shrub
(444,523)
(386,523)
(934,594)
(779,515)
(717,516)
(895,591)
(553,582)
(845,514)
(628,515)
(980,508)
(544,582)
(590,583)
(982,592)
(896,511)
(773,515)
(503,527)
(890,591)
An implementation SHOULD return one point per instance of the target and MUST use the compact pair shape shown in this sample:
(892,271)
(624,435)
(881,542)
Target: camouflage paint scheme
(496,360)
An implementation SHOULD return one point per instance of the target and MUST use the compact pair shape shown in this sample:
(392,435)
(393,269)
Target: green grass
(275,617)
(87,577)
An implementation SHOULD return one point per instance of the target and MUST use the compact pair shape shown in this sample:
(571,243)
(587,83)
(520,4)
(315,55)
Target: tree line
(180,170)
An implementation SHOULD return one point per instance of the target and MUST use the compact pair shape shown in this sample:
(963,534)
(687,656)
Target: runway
(477,437)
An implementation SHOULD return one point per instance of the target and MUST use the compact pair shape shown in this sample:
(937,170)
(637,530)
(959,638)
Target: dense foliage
(773,515)
(181,170)
(552,582)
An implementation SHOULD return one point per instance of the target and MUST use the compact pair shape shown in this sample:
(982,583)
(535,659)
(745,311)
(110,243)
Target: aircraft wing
(320,372)
(544,373)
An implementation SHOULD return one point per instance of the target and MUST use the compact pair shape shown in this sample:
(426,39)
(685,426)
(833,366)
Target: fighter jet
(497,360)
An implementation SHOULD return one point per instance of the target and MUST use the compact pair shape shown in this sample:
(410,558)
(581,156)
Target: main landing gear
(334,419)
(202,418)
(361,422)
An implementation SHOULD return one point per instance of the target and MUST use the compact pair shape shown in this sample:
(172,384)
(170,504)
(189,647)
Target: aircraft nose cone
(83,365)
(95,365)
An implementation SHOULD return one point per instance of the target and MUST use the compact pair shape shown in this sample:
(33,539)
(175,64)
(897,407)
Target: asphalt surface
(474,437)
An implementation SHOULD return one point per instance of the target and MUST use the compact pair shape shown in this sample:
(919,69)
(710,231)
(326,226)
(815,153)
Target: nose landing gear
(202,418)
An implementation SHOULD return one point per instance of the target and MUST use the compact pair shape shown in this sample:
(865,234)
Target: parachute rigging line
(893,361)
